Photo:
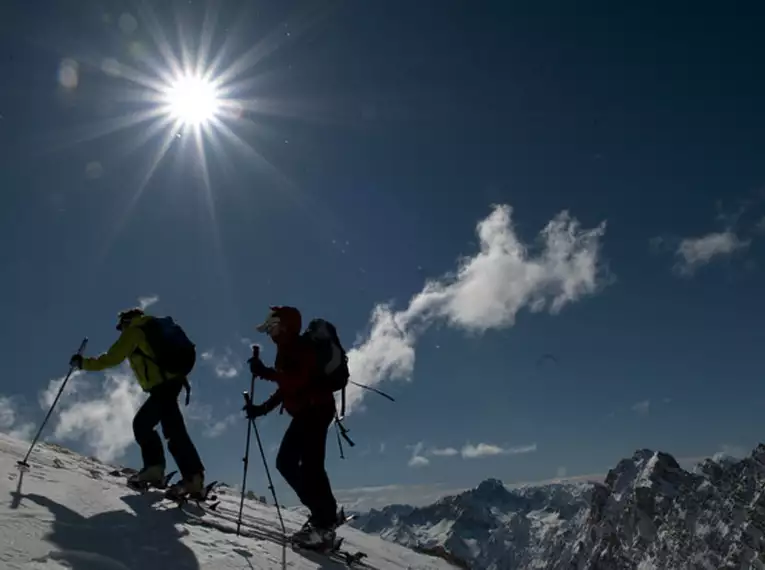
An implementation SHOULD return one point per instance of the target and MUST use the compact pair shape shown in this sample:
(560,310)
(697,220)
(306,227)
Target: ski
(141,487)
(250,530)
(210,501)
(205,497)
(335,552)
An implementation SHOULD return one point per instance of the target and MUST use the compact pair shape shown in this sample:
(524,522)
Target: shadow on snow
(117,540)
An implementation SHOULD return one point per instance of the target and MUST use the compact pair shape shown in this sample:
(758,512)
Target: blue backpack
(174,353)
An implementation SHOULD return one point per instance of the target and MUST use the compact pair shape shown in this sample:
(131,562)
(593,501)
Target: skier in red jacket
(302,452)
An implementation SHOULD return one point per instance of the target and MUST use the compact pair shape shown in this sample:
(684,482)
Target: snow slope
(67,512)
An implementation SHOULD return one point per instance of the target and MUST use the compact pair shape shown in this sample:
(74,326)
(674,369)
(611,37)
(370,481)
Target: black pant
(301,463)
(162,407)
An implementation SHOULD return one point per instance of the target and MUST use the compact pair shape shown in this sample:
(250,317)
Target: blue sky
(461,189)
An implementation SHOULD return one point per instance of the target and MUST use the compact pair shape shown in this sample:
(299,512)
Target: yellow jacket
(132,345)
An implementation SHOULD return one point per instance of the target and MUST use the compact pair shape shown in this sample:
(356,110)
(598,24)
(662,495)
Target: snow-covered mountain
(67,512)
(648,514)
(489,526)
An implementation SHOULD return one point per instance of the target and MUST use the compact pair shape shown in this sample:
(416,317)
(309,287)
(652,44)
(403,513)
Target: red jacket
(295,367)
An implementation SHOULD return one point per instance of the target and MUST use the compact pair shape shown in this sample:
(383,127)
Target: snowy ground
(66,512)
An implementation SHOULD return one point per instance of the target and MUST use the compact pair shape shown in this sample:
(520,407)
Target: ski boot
(192,488)
(316,537)
(151,476)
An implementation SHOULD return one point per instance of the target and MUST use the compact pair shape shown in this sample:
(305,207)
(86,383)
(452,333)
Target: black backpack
(333,360)
(173,351)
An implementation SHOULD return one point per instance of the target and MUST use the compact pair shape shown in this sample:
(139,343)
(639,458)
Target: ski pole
(246,458)
(268,474)
(23,462)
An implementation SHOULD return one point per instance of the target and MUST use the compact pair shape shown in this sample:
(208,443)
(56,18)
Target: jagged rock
(648,514)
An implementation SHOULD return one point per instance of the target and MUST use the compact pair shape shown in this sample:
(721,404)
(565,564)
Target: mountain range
(648,514)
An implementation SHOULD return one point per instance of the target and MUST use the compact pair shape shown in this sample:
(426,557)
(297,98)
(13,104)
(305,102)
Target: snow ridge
(648,514)
(68,512)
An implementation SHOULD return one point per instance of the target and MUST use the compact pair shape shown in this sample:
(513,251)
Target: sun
(192,100)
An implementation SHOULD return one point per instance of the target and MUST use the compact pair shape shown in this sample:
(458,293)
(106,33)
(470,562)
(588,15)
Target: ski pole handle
(83,344)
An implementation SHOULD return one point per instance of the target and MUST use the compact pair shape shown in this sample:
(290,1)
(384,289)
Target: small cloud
(732,451)
(69,73)
(418,459)
(11,423)
(666,401)
(218,428)
(445,452)
(382,447)
(226,371)
(488,450)
(224,365)
(212,427)
(694,253)
(561,472)
(93,170)
(658,243)
(148,301)
(485,292)
(365,498)
(642,407)
(470,451)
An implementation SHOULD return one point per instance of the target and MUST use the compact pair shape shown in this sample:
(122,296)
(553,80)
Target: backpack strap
(342,431)
(187,387)
(185,381)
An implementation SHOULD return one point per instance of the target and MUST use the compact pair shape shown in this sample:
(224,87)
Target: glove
(76,361)
(255,410)
(257,368)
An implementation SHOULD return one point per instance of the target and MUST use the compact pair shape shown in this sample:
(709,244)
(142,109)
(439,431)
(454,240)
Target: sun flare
(192,100)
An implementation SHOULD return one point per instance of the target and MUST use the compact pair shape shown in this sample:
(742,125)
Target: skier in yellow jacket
(161,407)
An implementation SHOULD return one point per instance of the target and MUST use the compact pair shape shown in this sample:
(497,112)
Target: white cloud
(223,365)
(218,428)
(382,447)
(377,497)
(470,451)
(445,452)
(11,423)
(100,417)
(488,450)
(226,371)
(697,252)
(561,472)
(48,396)
(733,451)
(147,301)
(418,459)
(211,426)
(642,407)
(486,292)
